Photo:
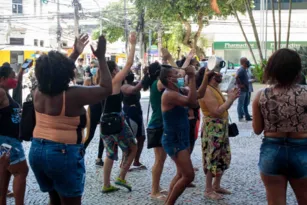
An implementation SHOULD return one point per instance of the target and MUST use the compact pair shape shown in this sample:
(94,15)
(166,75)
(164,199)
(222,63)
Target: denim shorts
(174,141)
(58,167)
(17,153)
(283,156)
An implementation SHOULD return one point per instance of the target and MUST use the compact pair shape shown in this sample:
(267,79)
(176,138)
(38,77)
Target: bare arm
(120,77)
(79,46)
(212,103)
(94,94)
(203,87)
(130,89)
(258,122)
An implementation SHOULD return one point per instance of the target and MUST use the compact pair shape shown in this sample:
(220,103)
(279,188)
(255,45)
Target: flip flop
(222,191)
(141,167)
(123,183)
(160,198)
(9,193)
(164,192)
(213,195)
(109,189)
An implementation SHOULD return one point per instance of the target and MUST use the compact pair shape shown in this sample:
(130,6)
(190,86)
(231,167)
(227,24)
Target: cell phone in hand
(27,64)
(5,148)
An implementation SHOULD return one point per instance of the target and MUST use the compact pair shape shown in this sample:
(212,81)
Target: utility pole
(59,30)
(160,33)
(140,29)
(77,7)
(149,49)
(126,25)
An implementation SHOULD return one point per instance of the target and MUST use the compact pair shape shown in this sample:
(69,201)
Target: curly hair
(5,70)
(284,68)
(54,72)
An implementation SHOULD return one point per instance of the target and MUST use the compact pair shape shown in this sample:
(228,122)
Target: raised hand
(165,54)
(190,71)
(100,52)
(192,53)
(132,38)
(233,94)
(81,42)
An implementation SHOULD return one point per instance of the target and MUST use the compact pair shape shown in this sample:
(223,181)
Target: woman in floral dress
(215,142)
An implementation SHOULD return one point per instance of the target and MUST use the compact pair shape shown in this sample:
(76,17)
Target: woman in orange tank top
(57,152)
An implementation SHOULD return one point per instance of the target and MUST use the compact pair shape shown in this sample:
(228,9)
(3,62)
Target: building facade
(226,39)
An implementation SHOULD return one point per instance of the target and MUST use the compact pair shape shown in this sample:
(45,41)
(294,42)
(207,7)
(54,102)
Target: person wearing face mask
(93,69)
(10,115)
(175,139)
(215,141)
(243,83)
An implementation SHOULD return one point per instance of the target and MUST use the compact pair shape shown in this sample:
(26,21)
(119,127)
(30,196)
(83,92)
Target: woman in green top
(155,129)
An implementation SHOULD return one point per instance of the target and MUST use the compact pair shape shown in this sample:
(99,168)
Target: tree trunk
(160,33)
(243,32)
(186,40)
(289,23)
(274,24)
(200,23)
(252,20)
(279,23)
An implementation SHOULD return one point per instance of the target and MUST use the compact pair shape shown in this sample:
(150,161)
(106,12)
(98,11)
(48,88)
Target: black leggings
(192,133)
(94,112)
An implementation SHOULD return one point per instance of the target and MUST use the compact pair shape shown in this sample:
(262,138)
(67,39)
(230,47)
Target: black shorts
(154,137)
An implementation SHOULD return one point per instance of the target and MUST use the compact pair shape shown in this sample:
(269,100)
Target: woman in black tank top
(10,115)
(134,114)
(125,139)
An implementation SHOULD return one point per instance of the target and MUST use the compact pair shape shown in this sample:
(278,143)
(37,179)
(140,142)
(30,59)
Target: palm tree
(289,23)
(279,23)
(274,24)
(244,34)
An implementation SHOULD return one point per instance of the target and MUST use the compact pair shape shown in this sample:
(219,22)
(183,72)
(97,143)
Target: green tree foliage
(113,21)
(187,12)
(302,51)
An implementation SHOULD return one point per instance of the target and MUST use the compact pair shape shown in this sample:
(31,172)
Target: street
(242,179)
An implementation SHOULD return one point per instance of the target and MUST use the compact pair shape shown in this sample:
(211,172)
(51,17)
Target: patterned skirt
(215,145)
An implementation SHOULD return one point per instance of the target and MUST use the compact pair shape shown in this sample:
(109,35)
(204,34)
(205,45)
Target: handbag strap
(104,106)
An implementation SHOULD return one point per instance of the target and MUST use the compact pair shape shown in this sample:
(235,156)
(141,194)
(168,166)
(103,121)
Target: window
(17,41)
(41,43)
(35,42)
(17,6)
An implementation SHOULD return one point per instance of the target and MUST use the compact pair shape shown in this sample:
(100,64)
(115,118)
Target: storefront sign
(244,46)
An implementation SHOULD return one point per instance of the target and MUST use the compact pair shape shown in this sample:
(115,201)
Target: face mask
(180,82)
(94,71)
(12,83)
(248,64)
(218,78)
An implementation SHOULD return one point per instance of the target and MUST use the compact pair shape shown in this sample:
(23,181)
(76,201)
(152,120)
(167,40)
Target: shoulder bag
(110,123)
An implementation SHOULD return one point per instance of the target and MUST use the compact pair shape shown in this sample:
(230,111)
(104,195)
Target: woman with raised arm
(215,141)
(10,115)
(57,152)
(176,139)
(134,115)
(123,137)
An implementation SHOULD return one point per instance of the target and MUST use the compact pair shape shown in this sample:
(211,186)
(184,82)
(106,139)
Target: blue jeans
(17,153)
(58,167)
(283,157)
(243,106)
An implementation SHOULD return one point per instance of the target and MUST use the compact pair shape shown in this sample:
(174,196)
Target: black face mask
(248,64)
(218,78)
